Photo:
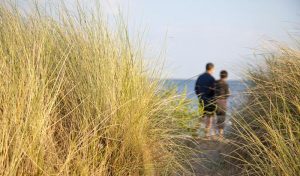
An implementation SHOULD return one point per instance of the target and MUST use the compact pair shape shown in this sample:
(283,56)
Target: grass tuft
(76,98)
(267,129)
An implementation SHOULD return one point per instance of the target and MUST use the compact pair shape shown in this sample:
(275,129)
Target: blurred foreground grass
(77,98)
(267,129)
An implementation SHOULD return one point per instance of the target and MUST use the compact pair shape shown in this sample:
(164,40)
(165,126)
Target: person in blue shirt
(205,90)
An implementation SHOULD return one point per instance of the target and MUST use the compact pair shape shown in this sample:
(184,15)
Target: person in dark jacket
(221,93)
(205,90)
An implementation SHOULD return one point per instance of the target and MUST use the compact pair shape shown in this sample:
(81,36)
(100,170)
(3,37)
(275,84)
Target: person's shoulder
(202,75)
(212,78)
(200,78)
(225,83)
(222,82)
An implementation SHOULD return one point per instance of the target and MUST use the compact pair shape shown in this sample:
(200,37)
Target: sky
(227,33)
(194,32)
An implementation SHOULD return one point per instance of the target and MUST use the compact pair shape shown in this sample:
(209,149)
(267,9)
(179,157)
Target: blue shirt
(205,87)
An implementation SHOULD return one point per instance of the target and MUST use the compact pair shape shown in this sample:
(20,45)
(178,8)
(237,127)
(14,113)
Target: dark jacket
(222,89)
(205,87)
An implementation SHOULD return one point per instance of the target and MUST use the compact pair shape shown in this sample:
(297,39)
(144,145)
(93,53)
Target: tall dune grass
(76,98)
(268,127)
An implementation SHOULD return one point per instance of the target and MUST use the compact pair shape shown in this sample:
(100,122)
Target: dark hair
(209,66)
(223,74)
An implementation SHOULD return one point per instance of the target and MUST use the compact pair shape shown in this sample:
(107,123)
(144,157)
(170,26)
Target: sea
(237,89)
(235,101)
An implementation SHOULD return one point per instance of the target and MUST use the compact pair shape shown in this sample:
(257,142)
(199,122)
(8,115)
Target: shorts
(209,107)
(221,107)
(221,112)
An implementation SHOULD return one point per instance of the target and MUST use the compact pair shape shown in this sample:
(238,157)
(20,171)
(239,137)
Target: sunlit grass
(267,129)
(76,98)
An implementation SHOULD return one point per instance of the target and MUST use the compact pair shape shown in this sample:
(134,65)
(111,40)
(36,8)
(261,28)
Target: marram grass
(76,98)
(268,126)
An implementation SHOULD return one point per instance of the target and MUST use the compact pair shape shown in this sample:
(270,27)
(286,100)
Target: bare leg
(221,132)
(214,126)
(208,124)
(220,125)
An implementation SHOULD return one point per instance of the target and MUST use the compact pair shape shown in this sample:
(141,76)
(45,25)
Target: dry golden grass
(76,98)
(268,127)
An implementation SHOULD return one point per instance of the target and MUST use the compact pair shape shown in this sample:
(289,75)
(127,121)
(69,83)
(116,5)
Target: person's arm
(217,89)
(197,88)
(227,91)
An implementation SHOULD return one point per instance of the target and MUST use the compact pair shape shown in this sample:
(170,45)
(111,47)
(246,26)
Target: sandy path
(211,161)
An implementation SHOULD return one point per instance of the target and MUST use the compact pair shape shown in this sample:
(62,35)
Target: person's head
(210,68)
(223,74)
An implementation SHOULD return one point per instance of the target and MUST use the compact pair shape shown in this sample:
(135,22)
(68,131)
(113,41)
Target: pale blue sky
(218,31)
(225,32)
